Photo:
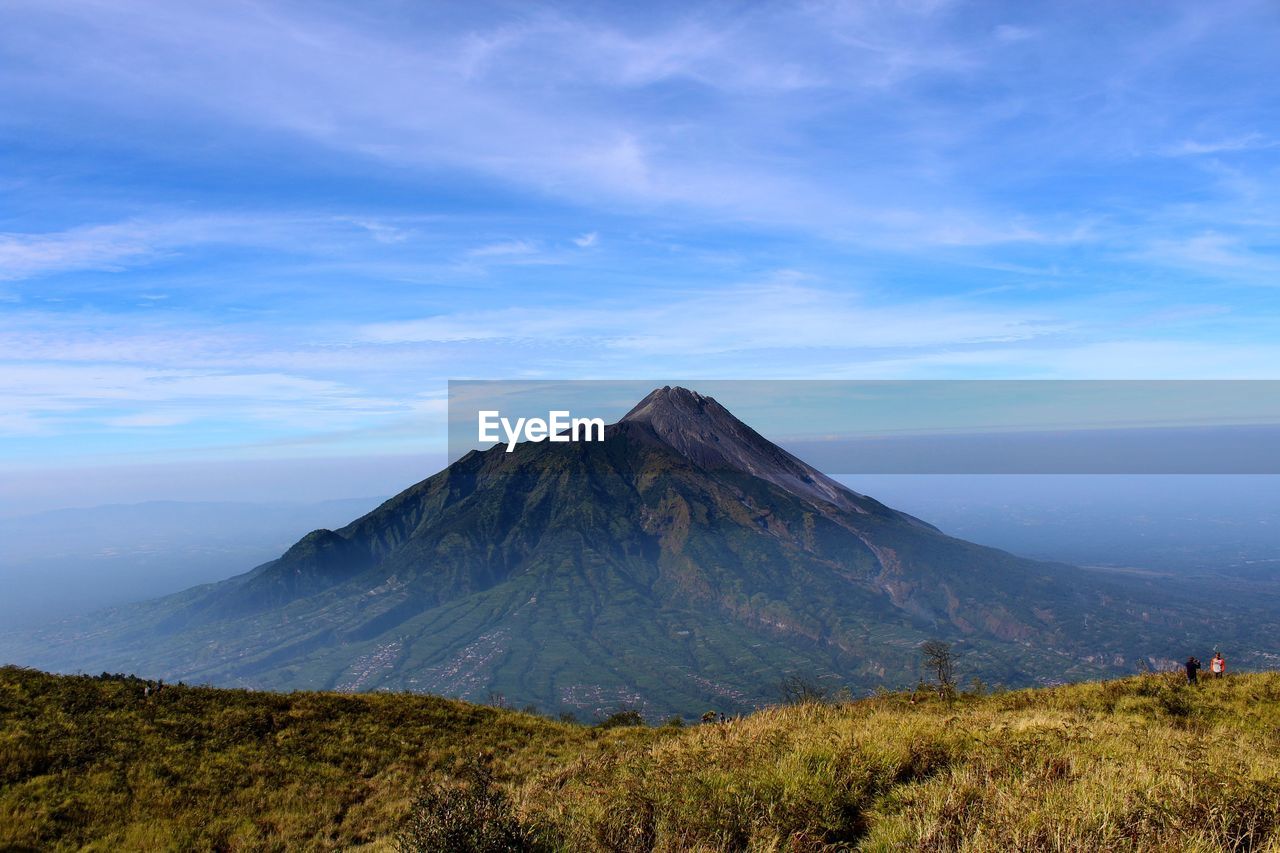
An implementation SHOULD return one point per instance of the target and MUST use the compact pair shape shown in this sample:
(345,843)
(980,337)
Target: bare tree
(798,690)
(939,661)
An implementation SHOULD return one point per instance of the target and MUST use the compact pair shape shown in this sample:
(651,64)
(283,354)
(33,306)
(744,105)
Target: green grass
(92,763)
(1142,763)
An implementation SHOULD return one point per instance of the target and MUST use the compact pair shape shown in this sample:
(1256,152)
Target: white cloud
(1117,359)
(524,110)
(117,246)
(105,247)
(1225,145)
(748,318)
(892,127)
(507,248)
(150,419)
(123,245)
(1009,33)
(81,384)
(53,397)
(381,231)
(1222,255)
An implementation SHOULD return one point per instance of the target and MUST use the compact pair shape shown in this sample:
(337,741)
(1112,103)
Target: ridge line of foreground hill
(1143,763)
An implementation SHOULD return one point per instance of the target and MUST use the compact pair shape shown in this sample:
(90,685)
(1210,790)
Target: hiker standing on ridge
(1192,665)
(1218,665)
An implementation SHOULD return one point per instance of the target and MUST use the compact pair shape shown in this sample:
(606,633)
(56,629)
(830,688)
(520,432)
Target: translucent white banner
(926,426)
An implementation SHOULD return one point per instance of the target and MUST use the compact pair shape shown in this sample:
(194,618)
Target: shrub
(470,814)
(624,717)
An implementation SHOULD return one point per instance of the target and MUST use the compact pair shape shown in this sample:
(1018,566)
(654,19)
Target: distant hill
(684,562)
(1143,763)
(66,562)
(1215,528)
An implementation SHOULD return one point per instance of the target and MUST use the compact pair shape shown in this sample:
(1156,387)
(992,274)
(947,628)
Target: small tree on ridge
(939,661)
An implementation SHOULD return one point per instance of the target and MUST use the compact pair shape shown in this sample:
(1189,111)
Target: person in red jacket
(1218,666)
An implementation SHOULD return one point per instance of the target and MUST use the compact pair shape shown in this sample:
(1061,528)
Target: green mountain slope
(684,562)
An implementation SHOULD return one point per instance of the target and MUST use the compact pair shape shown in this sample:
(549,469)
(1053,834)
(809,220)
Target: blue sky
(265,230)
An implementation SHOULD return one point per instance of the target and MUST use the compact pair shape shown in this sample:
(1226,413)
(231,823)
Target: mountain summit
(684,562)
(705,433)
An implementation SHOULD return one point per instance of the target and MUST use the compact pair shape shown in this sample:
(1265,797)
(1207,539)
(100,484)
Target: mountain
(66,562)
(684,562)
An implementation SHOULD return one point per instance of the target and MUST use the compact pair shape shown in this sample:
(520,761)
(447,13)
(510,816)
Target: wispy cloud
(169,235)
(779,316)
(1225,256)
(1010,33)
(1225,145)
(1116,359)
(342,209)
(109,247)
(151,419)
(58,398)
(117,246)
(507,248)
(587,129)
(382,232)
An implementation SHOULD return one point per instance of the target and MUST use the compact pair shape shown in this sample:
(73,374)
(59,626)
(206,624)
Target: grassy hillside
(90,761)
(1139,763)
